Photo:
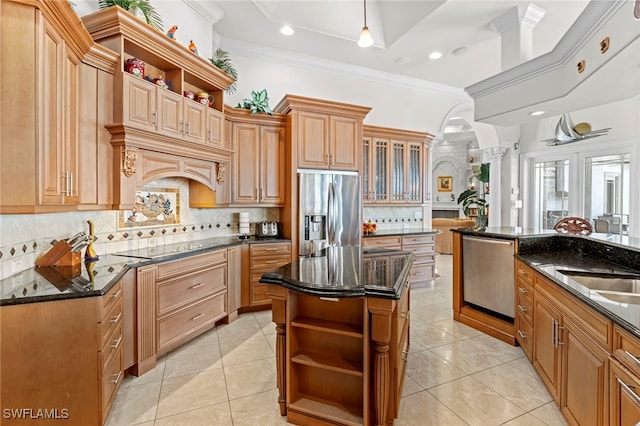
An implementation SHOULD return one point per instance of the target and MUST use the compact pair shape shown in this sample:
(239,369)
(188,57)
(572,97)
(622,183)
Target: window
(551,193)
(607,190)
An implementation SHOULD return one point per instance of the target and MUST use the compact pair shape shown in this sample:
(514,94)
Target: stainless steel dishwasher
(487,265)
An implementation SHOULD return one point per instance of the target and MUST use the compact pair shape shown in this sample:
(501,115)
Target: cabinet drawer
(186,265)
(111,380)
(387,242)
(417,239)
(424,258)
(627,349)
(524,307)
(268,263)
(111,320)
(270,249)
(524,272)
(112,346)
(112,297)
(428,249)
(179,325)
(524,291)
(423,272)
(259,294)
(524,335)
(181,291)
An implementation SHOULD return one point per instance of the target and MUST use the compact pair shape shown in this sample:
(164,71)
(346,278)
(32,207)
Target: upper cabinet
(324,134)
(394,166)
(40,154)
(259,157)
(154,113)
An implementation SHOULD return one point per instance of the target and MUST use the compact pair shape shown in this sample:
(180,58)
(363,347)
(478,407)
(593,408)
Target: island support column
(381,311)
(278,297)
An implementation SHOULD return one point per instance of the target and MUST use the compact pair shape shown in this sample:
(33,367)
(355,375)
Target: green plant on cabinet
(221,59)
(259,102)
(151,15)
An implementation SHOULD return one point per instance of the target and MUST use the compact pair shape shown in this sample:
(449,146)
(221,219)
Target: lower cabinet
(423,270)
(261,258)
(63,357)
(176,301)
(571,349)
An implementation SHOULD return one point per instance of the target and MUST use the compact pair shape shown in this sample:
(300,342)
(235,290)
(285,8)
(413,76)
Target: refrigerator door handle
(330,215)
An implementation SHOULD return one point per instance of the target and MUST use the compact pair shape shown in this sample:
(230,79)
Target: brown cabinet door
(195,121)
(170,113)
(313,139)
(624,395)
(398,172)
(415,167)
(216,129)
(246,170)
(546,358)
(272,150)
(584,377)
(344,143)
(139,104)
(71,84)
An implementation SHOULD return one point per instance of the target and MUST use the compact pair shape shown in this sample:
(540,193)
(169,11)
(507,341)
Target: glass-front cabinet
(394,166)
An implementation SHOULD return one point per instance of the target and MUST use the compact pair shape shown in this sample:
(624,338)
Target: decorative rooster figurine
(90,253)
(172,32)
(192,47)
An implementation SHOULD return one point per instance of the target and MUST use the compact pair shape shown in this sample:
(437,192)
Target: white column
(516,33)
(494,157)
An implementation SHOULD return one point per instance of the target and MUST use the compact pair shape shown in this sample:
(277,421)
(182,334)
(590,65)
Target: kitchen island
(342,321)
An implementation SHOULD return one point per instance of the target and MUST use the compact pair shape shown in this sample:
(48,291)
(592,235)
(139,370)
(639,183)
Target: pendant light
(365,36)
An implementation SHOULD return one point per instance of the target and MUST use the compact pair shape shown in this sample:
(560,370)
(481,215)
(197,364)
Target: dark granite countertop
(553,254)
(346,272)
(396,232)
(58,283)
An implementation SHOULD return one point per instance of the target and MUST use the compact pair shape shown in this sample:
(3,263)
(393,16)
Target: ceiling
(404,32)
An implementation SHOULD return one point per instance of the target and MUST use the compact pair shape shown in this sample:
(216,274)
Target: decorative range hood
(567,132)
(595,63)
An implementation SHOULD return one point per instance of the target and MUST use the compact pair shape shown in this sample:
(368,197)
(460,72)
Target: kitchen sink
(616,282)
(630,298)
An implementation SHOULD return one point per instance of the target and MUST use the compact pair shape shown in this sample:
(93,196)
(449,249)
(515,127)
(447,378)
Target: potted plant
(222,60)
(259,102)
(472,199)
(149,13)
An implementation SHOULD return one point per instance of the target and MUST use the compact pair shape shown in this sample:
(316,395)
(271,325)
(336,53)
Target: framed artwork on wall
(445,183)
(154,206)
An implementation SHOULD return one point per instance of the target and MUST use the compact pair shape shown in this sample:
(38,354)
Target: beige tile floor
(455,375)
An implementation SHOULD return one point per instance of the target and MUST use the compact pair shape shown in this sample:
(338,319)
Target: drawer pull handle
(271,249)
(116,318)
(270,262)
(117,379)
(629,390)
(405,314)
(405,354)
(523,272)
(522,308)
(523,290)
(117,294)
(116,343)
(635,358)
(522,335)
(197,317)
(193,287)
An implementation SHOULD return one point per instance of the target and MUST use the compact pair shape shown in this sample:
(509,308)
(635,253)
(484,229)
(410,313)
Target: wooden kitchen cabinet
(324,134)
(423,269)
(524,308)
(394,168)
(40,145)
(69,358)
(624,379)
(234,282)
(571,348)
(258,160)
(262,258)
(390,242)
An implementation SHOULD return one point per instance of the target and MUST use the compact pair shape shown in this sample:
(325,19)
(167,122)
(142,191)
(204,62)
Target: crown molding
(269,54)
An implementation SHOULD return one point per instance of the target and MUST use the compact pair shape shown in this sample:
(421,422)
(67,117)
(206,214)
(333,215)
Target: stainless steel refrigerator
(329,208)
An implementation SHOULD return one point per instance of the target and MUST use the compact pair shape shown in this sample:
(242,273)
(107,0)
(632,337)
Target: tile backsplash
(24,238)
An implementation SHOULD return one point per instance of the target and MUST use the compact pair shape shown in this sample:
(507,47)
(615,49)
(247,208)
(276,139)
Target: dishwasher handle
(487,240)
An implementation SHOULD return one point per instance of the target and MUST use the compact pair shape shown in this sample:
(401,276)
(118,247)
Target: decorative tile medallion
(154,206)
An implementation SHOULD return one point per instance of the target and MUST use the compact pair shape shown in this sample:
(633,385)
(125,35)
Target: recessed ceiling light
(403,60)
(460,51)
(435,55)
(286,30)
(536,113)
